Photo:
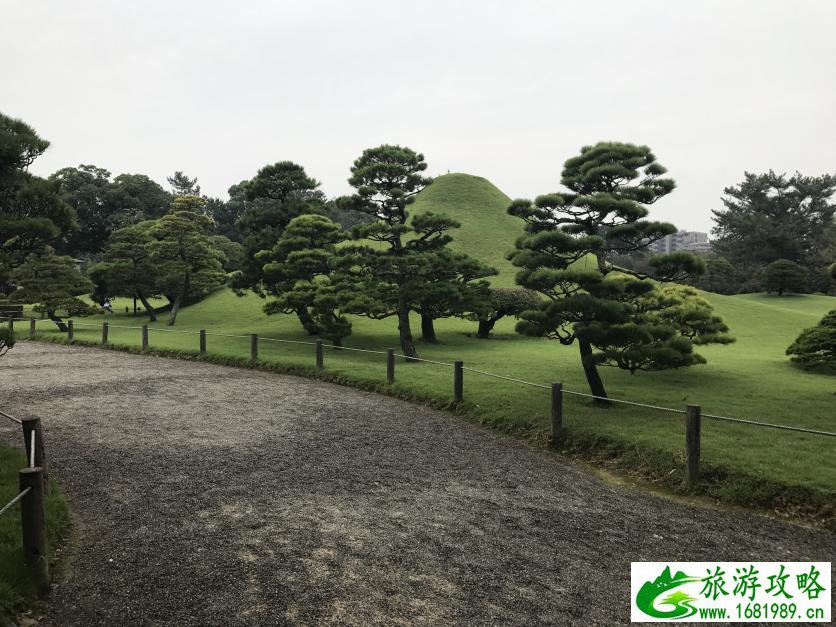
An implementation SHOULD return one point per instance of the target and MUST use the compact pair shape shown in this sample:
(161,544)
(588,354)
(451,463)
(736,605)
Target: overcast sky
(506,90)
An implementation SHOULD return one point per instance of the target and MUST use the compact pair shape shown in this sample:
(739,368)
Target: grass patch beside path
(17,586)
(752,378)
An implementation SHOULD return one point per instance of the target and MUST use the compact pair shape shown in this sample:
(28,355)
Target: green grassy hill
(487,231)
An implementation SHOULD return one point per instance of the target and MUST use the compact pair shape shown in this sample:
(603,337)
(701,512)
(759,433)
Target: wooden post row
(557,412)
(692,445)
(33,525)
(390,366)
(458,382)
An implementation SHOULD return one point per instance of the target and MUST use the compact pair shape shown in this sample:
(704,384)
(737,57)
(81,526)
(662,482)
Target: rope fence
(33,485)
(254,339)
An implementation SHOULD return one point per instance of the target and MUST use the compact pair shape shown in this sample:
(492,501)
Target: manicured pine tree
(816,346)
(267,203)
(299,271)
(395,273)
(189,265)
(783,275)
(570,237)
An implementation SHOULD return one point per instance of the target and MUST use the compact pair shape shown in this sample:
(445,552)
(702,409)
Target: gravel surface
(207,495)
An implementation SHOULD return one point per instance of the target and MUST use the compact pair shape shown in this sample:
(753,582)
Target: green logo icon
(679,601)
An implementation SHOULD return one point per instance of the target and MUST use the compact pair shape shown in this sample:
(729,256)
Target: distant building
(694,241)
(79,264)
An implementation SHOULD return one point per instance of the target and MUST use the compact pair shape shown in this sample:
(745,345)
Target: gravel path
(207,495)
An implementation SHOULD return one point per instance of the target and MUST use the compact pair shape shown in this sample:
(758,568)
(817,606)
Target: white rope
(770,425)
(499,376)
(617,400)
(358,350)
(429,361)
(9,505)
(12,418)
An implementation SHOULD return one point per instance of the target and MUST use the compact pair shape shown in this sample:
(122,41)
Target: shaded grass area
(751,379)
(17,585)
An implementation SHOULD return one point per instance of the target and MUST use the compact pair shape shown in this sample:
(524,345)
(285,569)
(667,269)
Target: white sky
(507,90)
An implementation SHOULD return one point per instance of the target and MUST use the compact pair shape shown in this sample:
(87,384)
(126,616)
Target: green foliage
(32,213)
(89,191)
(504,301)
(53,284)
(276,195)
(405,266)
(299,271)
(816,346)
(182,185)
(189,266)
(608,308)
(139,198)
(771,216)
(784,275)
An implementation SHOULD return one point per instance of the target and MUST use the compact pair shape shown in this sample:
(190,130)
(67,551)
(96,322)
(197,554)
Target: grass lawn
(17,586)
(752,378)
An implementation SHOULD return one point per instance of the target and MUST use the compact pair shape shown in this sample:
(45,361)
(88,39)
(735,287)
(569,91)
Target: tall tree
(182,185)
(565,255)
(32,213)
(774,216)
(189,265)
(128,269)
(89,190)
(139,198)
(403,262)
(276,195)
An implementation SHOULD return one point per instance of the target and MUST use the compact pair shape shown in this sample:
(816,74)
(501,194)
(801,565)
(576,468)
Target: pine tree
(565,254)
(816,346)
(402,267)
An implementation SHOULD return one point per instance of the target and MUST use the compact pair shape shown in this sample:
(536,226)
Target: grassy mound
(487,232)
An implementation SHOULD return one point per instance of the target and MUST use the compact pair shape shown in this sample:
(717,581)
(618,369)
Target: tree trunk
(152,313)
(596,385)
(307,321)
(178,302)
(134,304)
(58,322)
(428,329)
(407,345)
(485,328)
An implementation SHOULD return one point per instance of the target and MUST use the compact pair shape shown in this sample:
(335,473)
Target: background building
(695,241)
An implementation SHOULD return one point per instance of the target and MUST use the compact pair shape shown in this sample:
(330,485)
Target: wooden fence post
(12,325)
(319,358)
(253,347)
(70,330)
(32,324)
(557,412)
(105,328)
(144,338)
(30,426)
(33,526)
(390,366)
(692,445)
(458,382)
(203,341)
